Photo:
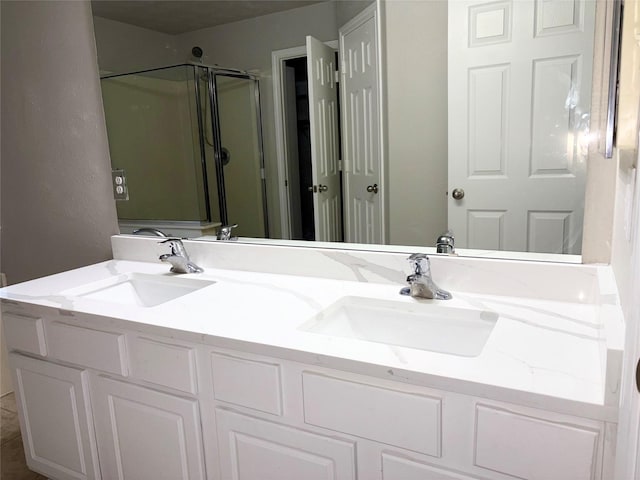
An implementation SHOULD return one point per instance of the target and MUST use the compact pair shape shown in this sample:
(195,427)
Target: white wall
(57,209)
(416,103)
(57,205)
(125,48)
(347,9)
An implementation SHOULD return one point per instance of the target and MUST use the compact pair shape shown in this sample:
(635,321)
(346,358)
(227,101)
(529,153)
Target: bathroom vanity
(306,363)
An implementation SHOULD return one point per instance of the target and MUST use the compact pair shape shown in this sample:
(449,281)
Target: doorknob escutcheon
(373,188)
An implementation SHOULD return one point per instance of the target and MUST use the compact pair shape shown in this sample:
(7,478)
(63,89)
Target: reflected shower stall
(186,149)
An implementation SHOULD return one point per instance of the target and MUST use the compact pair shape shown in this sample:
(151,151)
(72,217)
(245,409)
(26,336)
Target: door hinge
(263,174)
(286,183)
(340,165)
(337,76)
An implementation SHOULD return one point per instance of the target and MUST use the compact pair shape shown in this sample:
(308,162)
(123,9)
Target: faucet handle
(224,232)
(420,263)
(176,245)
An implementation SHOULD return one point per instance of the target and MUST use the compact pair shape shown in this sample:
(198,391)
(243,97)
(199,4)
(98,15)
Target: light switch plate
(119,183)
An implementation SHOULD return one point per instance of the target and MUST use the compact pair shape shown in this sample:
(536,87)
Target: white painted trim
(373,11)
(628,441)
(278,57)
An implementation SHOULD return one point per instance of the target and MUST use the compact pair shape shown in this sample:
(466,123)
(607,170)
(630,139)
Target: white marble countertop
(540,350)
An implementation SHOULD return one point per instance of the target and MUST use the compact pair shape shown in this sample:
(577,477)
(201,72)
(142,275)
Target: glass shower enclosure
(186,148)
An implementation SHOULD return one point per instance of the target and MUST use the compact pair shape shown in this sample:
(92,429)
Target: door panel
(516,119)
(146,434)
(55,422)
(323,117)
(360,113)
(253,449)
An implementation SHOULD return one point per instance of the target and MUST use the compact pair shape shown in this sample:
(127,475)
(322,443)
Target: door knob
(373,188)
(313,188)
(457,194)
(322,188)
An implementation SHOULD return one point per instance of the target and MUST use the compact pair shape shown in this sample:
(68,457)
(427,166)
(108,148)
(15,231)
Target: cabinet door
(55,418)
(253,449)
(146,434)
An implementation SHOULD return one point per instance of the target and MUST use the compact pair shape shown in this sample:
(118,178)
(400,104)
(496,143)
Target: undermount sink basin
(139,289)
(423,326)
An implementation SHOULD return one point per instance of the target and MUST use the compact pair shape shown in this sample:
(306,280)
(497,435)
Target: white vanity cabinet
(157,406)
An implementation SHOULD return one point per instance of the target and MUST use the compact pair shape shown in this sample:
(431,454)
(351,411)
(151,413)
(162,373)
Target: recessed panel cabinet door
(146,434)
(55,419)
(253,449)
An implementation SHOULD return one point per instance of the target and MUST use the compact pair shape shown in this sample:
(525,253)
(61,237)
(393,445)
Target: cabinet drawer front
(253,449)
(247,383)
(163,363)
(393,417)
(24,333)
(533,448)
(91,348)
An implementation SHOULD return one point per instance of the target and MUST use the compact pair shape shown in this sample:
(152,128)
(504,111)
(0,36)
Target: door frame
(278,57)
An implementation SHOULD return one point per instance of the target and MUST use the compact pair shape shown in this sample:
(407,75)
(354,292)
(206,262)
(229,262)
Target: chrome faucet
(445,243)
(152,231)
(421,285)
(178,258)
(224,232)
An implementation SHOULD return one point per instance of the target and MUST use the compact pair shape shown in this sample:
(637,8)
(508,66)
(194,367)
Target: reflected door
(323,119)
(363,186)
(519,100)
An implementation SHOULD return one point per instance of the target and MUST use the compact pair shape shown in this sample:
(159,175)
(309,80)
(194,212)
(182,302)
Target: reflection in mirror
(164,127)
(490,99)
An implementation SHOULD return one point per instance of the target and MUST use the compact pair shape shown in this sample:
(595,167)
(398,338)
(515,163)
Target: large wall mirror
(467,115)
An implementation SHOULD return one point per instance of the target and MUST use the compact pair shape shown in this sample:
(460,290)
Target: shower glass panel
(241,155)
(152,125)
(189,140)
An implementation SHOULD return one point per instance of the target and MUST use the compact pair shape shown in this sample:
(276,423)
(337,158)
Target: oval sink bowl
(423,326)
(139,289)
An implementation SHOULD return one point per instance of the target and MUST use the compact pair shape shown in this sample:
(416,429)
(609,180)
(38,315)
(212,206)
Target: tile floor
(12,464)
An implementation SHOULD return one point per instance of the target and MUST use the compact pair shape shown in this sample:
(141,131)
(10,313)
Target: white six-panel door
(362,169)
(519,98)
(323,117)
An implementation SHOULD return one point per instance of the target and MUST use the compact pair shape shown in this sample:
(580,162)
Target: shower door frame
(212,72)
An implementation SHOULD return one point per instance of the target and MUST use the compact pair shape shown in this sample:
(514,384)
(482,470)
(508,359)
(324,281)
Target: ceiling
(179,16)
